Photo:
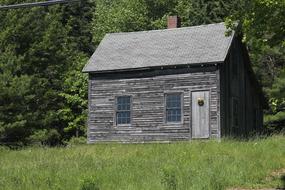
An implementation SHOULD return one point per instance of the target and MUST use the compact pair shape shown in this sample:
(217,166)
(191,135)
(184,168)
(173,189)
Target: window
(173,107)
(123,110)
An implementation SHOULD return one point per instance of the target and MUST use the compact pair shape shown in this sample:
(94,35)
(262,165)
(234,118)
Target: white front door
(200,114)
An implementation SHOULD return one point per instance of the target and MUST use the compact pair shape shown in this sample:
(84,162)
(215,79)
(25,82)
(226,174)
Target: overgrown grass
(184,165)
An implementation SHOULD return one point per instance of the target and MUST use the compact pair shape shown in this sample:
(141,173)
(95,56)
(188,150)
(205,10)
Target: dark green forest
(43,93)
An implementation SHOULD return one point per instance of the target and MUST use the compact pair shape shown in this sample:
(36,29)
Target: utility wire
(35,4)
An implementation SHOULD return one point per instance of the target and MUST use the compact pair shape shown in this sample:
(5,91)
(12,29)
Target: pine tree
(39,47)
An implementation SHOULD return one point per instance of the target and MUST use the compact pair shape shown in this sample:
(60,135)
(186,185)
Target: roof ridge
(163,30)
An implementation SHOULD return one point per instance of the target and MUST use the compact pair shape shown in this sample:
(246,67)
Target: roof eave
(189,65)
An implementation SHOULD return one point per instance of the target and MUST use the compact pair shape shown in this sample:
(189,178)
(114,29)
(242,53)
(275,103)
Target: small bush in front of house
(46,137)
(169,180)
(77,141)
(89,184)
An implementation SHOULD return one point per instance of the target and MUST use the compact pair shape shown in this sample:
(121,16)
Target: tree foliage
(263,24)
(39,53)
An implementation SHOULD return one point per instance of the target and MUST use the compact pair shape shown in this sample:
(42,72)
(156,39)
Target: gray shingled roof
(188,45)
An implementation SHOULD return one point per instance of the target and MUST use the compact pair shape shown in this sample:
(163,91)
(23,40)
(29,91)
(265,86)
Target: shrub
(169,180)
(77,141)
(46,137)
(89,184)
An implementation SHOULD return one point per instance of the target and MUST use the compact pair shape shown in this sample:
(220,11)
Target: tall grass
(183,165)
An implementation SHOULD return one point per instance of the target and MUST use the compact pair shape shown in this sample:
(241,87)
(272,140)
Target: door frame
(190,115)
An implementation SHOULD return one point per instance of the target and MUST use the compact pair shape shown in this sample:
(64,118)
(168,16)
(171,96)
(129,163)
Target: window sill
(174,123)
(123,125)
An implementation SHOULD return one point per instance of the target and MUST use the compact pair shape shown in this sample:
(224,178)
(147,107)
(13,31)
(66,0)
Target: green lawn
(182,165)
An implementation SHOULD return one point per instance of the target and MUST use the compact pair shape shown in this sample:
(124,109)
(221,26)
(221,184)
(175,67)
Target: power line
(35,4)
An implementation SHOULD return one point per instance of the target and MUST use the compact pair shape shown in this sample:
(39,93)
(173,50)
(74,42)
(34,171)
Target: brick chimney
(173,22)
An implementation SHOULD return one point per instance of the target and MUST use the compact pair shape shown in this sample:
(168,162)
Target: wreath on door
(200,101)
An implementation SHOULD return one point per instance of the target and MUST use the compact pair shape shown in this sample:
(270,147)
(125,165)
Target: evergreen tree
(39,48)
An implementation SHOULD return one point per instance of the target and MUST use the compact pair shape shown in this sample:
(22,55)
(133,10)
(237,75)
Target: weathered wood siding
(237,83)
(147,89)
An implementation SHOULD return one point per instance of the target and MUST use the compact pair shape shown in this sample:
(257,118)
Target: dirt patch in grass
(251,189)
(280,174)
(276,174)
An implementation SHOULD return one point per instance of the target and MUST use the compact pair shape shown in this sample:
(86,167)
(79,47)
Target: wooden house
(172,84)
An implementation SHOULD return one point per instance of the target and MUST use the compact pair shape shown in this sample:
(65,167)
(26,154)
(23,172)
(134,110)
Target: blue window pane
(123,106)
(174,115)
(173,101)
(173,108)
(123,110)
(128,120)
(123,100)
(123,117)
(123,103)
